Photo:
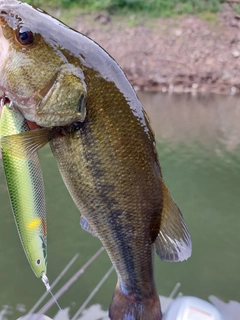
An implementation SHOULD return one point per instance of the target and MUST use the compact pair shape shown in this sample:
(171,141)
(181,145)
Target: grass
(208,16)
(157,8)
(236,7)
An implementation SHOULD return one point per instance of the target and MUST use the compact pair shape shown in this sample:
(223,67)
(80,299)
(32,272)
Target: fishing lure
(25,186)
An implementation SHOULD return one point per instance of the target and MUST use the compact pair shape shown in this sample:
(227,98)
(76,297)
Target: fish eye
(24,35)
(38,262)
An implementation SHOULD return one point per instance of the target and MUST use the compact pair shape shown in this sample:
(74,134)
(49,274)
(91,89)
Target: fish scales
(115,198)
(104,147)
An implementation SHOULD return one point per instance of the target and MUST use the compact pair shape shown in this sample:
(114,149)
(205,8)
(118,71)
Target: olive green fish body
(25,186)
(110,166)
(121,205)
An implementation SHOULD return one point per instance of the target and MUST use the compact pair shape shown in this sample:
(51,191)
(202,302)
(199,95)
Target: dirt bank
(178,54)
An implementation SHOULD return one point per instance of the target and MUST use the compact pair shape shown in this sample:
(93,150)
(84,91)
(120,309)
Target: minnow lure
(25,186)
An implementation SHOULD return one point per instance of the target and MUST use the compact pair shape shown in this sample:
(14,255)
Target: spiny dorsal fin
(173,242)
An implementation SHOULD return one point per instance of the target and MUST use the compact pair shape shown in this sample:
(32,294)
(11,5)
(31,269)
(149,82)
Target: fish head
(35,72)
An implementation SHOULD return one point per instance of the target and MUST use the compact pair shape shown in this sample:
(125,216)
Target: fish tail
(128,307)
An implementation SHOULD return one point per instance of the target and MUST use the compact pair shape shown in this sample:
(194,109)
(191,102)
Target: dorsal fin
(173,242)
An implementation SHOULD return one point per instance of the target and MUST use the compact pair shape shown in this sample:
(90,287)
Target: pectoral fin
(85,226)
(23,145)
(173,242)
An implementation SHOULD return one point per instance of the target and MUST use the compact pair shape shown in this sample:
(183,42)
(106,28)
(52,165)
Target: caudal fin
(127,307)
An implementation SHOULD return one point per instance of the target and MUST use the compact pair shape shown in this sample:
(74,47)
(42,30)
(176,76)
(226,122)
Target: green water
(198,140)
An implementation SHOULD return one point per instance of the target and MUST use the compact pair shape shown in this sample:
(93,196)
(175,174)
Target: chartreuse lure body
(25,186)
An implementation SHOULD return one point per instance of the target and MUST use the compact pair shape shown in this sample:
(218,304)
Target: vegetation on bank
(163,8)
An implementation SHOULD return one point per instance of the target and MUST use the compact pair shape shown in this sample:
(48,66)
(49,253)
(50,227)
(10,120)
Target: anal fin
(173,242)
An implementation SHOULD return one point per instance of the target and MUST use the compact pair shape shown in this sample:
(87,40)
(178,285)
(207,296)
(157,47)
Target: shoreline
(181,54)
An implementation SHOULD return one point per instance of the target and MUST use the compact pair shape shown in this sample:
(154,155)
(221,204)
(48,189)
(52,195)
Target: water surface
(198,141)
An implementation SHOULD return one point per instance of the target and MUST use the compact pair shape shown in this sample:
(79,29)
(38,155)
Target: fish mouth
(6,101)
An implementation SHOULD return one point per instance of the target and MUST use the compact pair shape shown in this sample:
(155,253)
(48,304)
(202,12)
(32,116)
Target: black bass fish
(104,147)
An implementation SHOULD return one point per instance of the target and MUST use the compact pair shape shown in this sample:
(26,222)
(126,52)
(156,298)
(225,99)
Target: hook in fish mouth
(5,100)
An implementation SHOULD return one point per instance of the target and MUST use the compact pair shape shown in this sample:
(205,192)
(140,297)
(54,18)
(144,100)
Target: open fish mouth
(5,100)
